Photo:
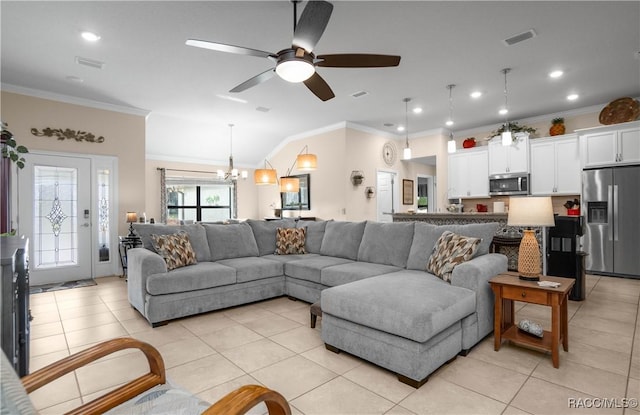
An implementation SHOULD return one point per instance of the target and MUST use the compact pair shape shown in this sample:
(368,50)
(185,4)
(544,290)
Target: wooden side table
(508,288)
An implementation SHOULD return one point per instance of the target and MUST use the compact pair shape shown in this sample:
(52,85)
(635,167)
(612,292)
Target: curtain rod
(188,171)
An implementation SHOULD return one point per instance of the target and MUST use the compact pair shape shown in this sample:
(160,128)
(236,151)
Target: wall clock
(389,153)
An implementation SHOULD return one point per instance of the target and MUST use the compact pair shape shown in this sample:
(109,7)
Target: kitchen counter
(464,217)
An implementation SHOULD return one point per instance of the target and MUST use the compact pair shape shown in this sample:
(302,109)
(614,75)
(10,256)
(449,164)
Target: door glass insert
(103,215)
(55,217)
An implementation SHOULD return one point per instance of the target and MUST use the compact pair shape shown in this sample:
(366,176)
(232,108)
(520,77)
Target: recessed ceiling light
(90,36)
(573,97)
(388,124)
(400,128)
(476,94)
(503,111)
(556,74)
(449,123)
(417,110)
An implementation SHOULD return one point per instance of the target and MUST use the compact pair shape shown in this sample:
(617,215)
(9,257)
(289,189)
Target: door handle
(610,212)
(85,225)
(616,230)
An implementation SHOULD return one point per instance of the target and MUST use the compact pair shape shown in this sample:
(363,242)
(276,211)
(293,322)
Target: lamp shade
(289,184)
(307,162)
(406,154)
(132,217)
(451,146)
(530,211)
(265,176)
(507,138)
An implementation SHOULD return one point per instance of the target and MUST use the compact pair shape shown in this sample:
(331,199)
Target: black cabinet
(15,302)
(563,257)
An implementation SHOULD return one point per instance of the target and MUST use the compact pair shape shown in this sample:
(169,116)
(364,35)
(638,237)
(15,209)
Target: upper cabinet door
(629,146)
(568,171)
(509,159)
(543,172)
(610,145)
(599,149)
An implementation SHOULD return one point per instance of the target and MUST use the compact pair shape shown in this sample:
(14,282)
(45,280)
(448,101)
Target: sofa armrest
(140,264)
(475,275)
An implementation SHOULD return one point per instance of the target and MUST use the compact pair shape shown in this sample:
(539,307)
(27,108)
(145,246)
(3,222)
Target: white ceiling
(148,66)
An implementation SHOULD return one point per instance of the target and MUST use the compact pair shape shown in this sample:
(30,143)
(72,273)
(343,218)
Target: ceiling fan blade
(258,79)
(311,24)
(221,47)
(319,87)
(357,60)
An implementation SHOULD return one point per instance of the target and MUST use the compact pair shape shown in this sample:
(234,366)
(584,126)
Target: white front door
(54,196)
(387,203)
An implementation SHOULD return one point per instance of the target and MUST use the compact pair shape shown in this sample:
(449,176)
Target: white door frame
(431,190)
(98,268)
(394,189)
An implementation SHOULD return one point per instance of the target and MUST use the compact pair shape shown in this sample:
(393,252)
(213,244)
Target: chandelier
(232,173)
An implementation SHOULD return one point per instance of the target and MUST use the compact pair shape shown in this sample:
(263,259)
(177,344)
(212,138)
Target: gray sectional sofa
(377,298)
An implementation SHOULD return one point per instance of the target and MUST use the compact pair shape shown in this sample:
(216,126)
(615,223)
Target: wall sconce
(370,192)
(357,177)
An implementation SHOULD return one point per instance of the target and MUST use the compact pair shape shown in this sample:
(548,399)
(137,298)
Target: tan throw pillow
(290,241)
(175,248)
(450,250)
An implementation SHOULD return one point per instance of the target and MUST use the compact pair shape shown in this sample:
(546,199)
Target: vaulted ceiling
(148,66)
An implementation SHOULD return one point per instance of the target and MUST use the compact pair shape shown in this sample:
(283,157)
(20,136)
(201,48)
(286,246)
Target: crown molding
(52,96)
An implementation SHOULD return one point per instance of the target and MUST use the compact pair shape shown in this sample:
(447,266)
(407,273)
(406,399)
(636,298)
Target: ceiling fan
(298,63)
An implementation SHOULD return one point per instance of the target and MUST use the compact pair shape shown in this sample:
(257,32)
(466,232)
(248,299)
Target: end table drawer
(524,294)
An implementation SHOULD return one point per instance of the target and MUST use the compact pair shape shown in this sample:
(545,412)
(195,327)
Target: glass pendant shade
(507,138)
(289,184)
(406,154)
(307,162)
(451,146)
(265,177)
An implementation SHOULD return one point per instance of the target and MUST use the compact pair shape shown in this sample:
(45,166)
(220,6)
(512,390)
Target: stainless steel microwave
(509,184)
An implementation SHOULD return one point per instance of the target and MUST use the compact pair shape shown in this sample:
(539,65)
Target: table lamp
(530,211)
(132,217)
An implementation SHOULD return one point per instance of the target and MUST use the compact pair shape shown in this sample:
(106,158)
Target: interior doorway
(426,193)
(387,198)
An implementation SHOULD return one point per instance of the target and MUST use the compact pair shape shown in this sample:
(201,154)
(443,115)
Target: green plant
(10,148)
(213,199)
(514,127)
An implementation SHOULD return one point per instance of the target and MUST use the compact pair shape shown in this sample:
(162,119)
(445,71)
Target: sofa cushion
(290,241)
(288,258)
(310,268)
(315,233)
(404,303)
(253,268)
(175,249)
(342,239)
(197,237)
(235,240)
(194,277)
(353,271)
(386,243)
(265,233)
(425,236)
(450,250)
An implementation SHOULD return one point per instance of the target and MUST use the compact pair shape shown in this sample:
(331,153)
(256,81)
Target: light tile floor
(270,343)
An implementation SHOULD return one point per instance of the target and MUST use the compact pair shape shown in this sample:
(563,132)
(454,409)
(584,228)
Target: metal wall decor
(67,134)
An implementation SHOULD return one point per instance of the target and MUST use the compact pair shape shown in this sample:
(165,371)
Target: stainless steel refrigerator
(611,206)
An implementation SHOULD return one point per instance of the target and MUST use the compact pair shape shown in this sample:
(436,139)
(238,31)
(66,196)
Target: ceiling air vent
(89,62)
(520,37)
(263,109)
(359,94)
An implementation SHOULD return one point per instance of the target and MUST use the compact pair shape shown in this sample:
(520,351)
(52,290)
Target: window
(199,202)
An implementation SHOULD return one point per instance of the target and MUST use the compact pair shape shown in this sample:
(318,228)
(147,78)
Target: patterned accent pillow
(290,241)
(175,248)
(450,250)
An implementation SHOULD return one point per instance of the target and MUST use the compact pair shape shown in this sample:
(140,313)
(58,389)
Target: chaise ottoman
(408,322)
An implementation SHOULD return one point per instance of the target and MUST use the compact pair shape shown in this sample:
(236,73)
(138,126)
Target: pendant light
(507,137)
(232,173)
(451,144)
(406,155)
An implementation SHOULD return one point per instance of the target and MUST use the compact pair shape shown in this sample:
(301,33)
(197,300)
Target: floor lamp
(529,212)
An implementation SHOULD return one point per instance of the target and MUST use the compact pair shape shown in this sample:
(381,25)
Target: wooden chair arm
(156,375)
(246,397)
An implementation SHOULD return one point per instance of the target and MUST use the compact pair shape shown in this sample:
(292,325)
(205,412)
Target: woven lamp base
(529,257)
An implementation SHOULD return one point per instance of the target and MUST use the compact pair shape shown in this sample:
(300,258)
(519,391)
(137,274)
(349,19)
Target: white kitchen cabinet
(611,145)
(509,159)
(469,174)
(555,166)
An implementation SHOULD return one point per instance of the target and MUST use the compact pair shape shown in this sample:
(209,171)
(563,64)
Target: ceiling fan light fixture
(295,65)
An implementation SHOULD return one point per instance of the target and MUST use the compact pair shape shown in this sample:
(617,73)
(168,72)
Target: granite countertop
(454,215)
